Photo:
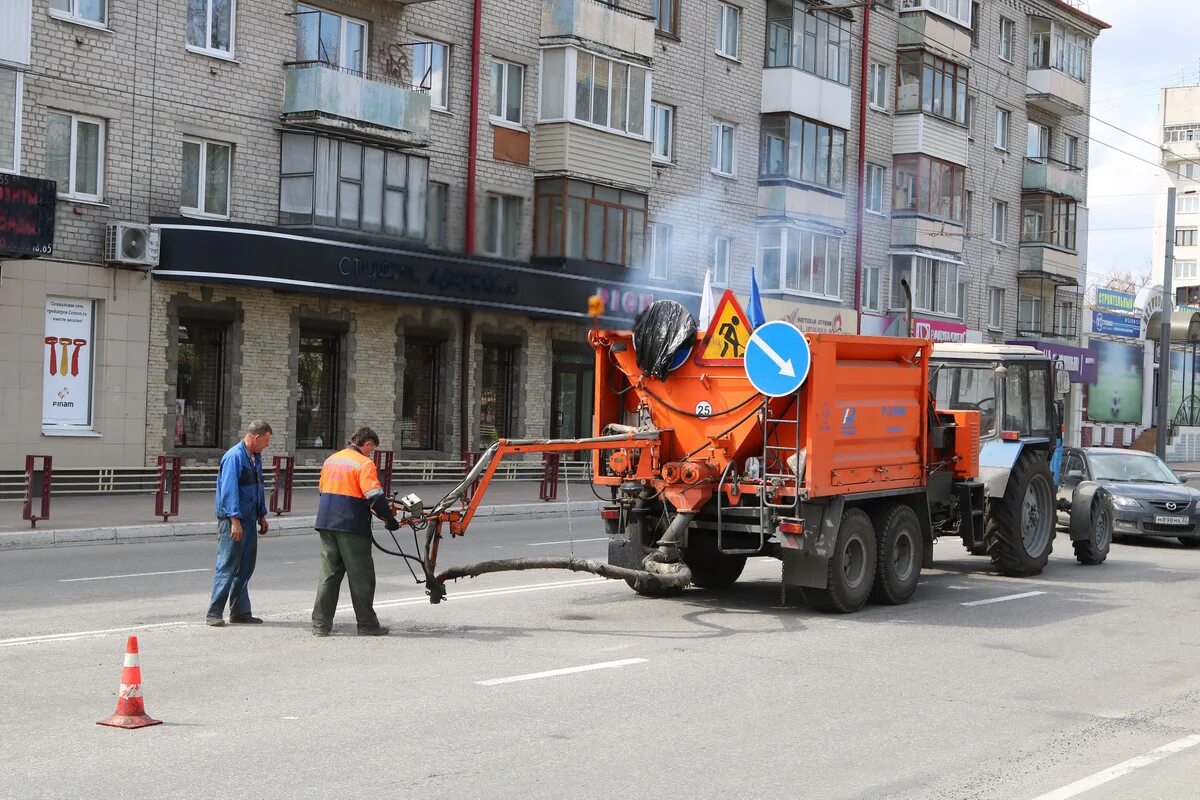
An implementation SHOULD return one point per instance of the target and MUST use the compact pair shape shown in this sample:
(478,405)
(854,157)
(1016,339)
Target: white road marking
(131,575)
(1124,768)
(569,541)
(1020,596)
(625,662)
(70,637)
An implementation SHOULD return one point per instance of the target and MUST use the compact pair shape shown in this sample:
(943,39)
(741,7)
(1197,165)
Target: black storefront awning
(301,261)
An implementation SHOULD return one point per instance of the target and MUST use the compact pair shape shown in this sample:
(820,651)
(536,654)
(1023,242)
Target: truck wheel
(851,567)
(898,544)
(1094,549)
(712,569)
(1020,526)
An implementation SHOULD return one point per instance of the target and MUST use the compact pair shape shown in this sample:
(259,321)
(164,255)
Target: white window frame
(506,68)
(18,89)
(1005,47)
(342,28)
(719,131)
(876,189)
(1188,204)
(999,222)
(71,194)
(1044,140)
(207,49)
(658,251)
(995,308)
(668,153)
(722,258)
(878,85)
(1031,303)
(924,280)
(71,14)
(831,278)
(943,8)
(872,299)
(1071,150)
(201,197)
(1001,139)
(497,204)
(438,100)
(726,14)
(1186,268)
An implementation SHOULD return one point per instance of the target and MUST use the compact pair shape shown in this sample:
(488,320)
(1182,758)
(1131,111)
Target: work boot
(216,622)
(245,620)
(320,632)
(376,631)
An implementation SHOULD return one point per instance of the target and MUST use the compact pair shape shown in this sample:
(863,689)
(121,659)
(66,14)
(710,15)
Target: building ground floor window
(571,392)
(199,384)
(318,389)
(497,397)
(421,398)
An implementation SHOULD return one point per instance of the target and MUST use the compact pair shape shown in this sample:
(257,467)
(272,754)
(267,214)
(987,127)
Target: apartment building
(1179,120)
(392,213)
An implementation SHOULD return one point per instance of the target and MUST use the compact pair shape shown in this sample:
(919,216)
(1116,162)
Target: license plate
(1165,520)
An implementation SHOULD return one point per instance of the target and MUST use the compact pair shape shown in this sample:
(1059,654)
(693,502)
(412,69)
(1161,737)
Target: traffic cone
(130,712)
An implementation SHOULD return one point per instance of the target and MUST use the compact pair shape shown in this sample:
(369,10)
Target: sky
(1152,44)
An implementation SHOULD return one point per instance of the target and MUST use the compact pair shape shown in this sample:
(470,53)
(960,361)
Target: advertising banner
(1107,323)
(1116,396)
(935,329)
(67,356)
(1080,362)
(1114,300)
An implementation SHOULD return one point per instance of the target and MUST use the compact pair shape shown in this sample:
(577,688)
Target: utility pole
(1164,339)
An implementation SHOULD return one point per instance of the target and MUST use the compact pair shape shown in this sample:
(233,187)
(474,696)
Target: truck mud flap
(809,565)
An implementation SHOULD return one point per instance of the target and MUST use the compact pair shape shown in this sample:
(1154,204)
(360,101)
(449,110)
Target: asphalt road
(1079,683)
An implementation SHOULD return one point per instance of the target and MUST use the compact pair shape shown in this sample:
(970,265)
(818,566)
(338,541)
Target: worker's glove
(392,524)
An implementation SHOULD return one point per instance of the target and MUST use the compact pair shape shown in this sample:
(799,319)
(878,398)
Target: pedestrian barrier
(131,710)
(548,490)
(37,486)
(166,498)
(284,468)
(383,465)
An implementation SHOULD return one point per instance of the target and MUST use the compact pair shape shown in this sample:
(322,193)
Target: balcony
(927,233)
(1181,151)
(1054,177)
(798,201)
(598,22)
(1055,92)
(320,96)
(921,27)
(933,136)
(1040,259)
(794,91)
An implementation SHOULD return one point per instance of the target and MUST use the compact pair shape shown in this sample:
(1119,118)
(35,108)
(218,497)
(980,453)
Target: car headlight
(1126,502)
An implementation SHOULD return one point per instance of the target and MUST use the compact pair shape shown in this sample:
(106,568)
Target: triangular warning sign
(724,343)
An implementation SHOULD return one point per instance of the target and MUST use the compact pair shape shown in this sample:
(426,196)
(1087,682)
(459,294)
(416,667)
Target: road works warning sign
(724,343)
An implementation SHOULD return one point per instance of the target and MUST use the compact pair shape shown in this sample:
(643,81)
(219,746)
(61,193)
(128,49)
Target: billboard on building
(67,356)
(1115,301)
(1116,396)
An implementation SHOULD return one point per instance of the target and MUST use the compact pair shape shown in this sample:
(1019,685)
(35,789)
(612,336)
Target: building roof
(1079,14)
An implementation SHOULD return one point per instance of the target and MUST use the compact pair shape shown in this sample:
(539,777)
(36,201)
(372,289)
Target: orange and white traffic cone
(130,712)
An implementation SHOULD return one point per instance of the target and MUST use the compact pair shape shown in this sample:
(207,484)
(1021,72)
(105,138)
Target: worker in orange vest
(350,493)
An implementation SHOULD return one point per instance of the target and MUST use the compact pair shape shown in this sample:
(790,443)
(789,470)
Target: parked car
(1148,498)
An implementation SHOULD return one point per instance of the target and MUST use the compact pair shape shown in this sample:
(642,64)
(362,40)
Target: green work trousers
(345,554)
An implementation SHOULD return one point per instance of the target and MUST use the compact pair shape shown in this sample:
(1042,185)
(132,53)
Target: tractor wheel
(712,569)
(1094,549)
(851,567)
(1020,526)
(898,565)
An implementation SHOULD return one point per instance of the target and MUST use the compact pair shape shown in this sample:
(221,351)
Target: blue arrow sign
(777,358)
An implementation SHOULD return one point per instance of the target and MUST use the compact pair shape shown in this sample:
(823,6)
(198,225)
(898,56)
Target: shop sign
(1115,300)
(1080,362)
(1107,323)
(923,328)
(811,317)
(66,362)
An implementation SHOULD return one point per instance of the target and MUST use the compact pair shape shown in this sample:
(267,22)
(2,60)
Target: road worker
(350,493)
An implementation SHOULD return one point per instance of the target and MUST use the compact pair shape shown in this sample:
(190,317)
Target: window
(1186,269)
(497,395)
(205,179)
(666,16)
(968,211)
(995,308)
(1049,219)
(1029,314)
(1033,224)
(436,216)
(93,11)
(430,70)
(722,148)
(582,220)
(317,384)
(932,85)
(75,155)
(330,38)
(877,85)
(1065,319)
(801,36)
(729,22)
(1181,133)
(1008,32)
(971,388)
(343,184)
(503,225)
(421,396)
(1038,146)
(934,284)
(1187,204)
(870,289)
(722,251)
(999,221)
(508,90)
(210,25)
(1053,46)
(1189,171)
(957,10)
(10,120)
(658,250)
(663,131)
(799,149)
(928,186)
(610,94)
(972,105)
(975,25)
(1187,295)
(199,383)
(798,260)
(1001,140)
(1185,237)
(876,177)
(1071,151)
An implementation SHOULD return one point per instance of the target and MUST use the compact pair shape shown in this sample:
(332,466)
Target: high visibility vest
(349,482)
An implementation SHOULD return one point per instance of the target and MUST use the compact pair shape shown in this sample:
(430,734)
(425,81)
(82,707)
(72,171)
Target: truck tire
(851,567)
(898,560)
(1094,549)
(712,569)
(1020,526)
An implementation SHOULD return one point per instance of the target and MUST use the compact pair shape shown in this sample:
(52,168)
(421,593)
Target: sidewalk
(92,519)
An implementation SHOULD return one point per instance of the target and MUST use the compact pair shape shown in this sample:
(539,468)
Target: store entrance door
(572,391)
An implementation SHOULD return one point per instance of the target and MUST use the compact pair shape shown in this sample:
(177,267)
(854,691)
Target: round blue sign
(777,358)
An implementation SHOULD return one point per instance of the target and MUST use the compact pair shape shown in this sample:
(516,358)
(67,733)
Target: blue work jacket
(240,485)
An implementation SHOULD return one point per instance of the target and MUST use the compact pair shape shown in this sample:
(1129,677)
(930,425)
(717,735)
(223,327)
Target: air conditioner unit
(131,243)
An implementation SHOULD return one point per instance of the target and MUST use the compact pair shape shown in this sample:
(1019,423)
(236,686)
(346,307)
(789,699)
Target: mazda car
(1148,498)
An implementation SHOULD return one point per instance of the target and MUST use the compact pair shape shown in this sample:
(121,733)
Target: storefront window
(418,415)
(497,402)
(317,391)
(198,384)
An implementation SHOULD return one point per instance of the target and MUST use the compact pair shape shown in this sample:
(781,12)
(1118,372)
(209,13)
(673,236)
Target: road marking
(569,541)
(1020,596)
(70,637)
(625,662)
(1124,768)
(131,575)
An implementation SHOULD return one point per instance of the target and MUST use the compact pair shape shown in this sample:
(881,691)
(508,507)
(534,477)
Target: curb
(280,526)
